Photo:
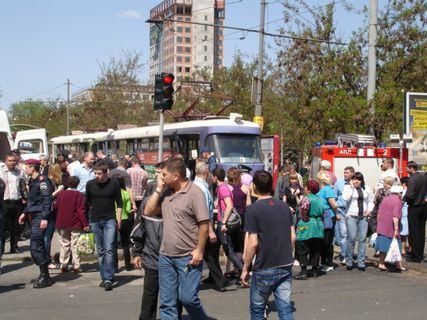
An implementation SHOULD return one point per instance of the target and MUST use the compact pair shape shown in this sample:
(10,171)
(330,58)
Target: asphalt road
(340,294)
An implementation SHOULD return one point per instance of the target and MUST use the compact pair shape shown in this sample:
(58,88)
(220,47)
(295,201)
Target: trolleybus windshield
(238,148)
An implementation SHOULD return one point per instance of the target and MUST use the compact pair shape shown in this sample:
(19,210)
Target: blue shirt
(39,196)
(338,188)
(202,184)
(85,174)
(326,193)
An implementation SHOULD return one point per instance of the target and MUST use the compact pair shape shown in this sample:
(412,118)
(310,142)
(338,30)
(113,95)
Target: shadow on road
(185,317)
(12,287)
(16,266)
(122,280)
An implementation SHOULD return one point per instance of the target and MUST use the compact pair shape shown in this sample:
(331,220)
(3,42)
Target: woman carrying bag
(388,227)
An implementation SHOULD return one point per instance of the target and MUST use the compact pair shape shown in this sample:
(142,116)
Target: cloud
(129,14)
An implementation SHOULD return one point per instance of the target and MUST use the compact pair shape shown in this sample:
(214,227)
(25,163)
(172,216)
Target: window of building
(206,28)
(187,69)
(188,19)
(179,39)
(206,58)
(188,30)
(220,42)
(206,38)
(179,69)
(219,62)
(187,40)
(187,10)
(179,18)
(206,48)
(179,9)
(188,49)
(178,59)
(179,29)
(206,18)
(179,49)
(187,59)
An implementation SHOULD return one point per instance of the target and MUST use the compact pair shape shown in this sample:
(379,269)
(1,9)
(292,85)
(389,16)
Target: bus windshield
(238,148)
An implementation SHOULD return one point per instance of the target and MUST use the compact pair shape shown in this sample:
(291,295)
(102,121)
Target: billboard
(416,124)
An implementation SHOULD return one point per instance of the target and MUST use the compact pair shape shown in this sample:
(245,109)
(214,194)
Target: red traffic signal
(163,91)
(168,79)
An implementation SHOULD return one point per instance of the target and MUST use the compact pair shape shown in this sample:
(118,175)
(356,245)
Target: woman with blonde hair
(55,177)
(330,215)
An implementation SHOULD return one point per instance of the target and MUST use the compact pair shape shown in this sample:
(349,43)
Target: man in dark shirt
(102,196)
(415,197)
(271,239)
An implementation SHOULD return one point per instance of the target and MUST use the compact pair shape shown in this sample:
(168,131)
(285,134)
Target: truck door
(32,143)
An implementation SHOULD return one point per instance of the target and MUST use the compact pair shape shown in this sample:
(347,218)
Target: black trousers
(417,227)
(125,231)
(211,258)
(327,252)
(37,247)
(11,212)
(308,251)
(150,294)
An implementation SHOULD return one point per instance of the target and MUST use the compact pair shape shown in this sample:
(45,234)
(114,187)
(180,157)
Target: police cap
(32,162)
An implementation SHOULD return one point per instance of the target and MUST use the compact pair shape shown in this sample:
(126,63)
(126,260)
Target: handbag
(234,221)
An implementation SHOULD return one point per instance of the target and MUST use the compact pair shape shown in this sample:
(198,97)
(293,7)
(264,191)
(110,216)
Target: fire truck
(362,152)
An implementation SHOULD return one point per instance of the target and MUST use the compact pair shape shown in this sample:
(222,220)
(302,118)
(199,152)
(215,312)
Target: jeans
(341,235)
(268,281)
(179,281)
(229,246)
(357,228)
(105,233)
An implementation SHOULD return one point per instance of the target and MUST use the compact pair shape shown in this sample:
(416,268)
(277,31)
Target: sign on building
(415,116)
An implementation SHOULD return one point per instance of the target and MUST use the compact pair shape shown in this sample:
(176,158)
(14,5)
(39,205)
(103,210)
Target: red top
(390,207)
(71,210)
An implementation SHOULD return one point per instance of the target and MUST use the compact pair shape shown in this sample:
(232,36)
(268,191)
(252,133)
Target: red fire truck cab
(362,153)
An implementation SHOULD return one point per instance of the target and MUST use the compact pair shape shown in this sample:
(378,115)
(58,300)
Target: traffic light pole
(161,126)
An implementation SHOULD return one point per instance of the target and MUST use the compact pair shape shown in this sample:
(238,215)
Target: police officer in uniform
(39,206)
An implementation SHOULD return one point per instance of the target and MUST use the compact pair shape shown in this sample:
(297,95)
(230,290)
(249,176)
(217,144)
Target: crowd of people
(171,224)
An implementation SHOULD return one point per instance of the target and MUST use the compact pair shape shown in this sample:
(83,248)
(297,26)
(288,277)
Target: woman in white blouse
(360,203)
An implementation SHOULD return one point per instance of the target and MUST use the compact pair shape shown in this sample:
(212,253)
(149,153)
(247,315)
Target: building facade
(180,47)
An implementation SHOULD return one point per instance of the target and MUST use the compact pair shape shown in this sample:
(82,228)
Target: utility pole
(68,106)
(258,103)
(372,53)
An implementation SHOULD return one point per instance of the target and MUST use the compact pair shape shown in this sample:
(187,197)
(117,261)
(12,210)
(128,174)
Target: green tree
(116,96)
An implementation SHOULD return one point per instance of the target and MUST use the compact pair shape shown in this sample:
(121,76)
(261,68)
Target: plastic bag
(373,239)
(393,254)
(85,244)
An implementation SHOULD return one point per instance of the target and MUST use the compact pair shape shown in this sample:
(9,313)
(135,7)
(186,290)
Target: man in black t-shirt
(271,239)
(102,196)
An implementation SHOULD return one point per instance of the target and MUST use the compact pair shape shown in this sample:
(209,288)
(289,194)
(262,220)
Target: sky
(45,42)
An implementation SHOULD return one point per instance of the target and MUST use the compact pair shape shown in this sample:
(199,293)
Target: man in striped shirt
(139,179)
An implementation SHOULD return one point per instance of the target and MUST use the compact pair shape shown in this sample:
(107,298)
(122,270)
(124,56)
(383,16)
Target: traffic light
(163,91)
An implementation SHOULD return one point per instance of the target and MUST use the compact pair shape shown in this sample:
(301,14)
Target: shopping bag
(85,244)
(393,254)
(373,239)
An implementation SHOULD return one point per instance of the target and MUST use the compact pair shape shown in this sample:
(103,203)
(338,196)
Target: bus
(232,140)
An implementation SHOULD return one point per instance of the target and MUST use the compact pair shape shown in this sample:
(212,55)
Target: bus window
(30,146)
(235,147)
